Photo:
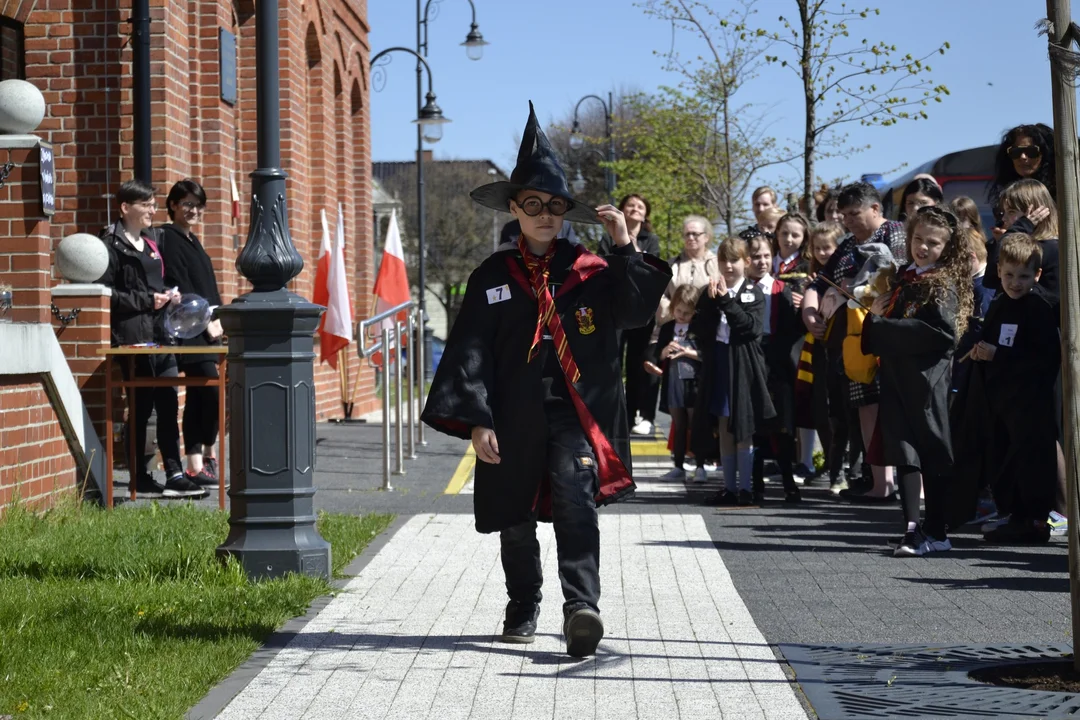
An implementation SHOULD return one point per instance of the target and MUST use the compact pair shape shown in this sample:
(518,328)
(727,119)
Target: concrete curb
(223,693)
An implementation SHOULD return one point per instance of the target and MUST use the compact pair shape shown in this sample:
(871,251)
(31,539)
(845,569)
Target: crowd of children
(922,347)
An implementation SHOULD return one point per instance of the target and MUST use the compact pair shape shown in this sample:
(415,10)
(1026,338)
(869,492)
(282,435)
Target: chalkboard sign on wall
(227,65)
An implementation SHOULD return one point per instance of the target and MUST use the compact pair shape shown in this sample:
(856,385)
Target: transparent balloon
(188,318)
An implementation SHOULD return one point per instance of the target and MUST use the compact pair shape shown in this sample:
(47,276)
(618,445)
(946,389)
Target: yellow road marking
(463,473)
(649,448)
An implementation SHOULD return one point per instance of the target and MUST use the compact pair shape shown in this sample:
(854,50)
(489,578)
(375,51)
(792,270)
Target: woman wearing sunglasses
(1026,152)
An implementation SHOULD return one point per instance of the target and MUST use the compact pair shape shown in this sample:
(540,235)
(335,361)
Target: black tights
(845,436)
(681,421)
(785,458)
(200,410)
(911,482)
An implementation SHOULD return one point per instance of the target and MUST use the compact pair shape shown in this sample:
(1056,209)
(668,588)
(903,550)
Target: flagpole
(343,381)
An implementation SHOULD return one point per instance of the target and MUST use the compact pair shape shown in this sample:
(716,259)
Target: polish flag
(235,197)
(392,283)
(335,329)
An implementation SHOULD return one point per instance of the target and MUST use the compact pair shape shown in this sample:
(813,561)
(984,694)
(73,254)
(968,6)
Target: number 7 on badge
(498,294)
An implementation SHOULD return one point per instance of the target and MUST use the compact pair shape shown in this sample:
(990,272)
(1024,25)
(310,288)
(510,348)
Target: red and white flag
(235,197)
(335,330)
(392,283)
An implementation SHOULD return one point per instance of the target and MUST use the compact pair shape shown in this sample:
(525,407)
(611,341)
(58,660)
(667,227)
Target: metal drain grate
(865,682)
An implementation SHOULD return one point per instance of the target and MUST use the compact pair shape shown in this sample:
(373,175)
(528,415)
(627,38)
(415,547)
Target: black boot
(520,624)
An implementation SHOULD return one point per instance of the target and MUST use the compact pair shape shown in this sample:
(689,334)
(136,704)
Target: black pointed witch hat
(537,169)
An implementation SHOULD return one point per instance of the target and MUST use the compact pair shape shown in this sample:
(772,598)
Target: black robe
(485,379)
(751,407)
(1004,420)
(915,346)
(664,337)
(782,348)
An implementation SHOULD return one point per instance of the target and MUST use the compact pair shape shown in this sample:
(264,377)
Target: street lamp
(430,119)
(474,41)
(432,132)
(271,354)
(578,183)
(577,139)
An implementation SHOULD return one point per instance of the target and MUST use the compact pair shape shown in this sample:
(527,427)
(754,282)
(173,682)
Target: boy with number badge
(531,375)
(1016,368)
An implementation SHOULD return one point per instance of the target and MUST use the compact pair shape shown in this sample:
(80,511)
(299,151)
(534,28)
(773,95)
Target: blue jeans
(574,483)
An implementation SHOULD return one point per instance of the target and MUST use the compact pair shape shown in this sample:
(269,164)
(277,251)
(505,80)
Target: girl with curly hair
(913,331)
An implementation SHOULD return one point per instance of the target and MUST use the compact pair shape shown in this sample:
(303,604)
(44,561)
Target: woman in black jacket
(139,295)
(188,267)
(642,389)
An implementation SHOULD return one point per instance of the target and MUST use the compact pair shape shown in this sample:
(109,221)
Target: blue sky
(556,51)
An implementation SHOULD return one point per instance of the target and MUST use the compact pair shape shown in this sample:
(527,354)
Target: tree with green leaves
(849,81)
(720,143)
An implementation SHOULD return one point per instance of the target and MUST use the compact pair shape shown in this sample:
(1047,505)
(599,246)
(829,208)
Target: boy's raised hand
(614,223)
(486,445)
(717,286)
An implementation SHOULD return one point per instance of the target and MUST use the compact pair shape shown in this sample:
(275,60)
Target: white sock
(728,463)
(911,526)
(745,460)
(807,443)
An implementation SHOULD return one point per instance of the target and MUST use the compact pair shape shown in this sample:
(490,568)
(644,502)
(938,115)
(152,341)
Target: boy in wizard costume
(531,375)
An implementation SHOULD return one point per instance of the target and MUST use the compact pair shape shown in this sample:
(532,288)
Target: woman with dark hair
(642,389)
(826,210)
(919,193)
(188,268)
(1026,152)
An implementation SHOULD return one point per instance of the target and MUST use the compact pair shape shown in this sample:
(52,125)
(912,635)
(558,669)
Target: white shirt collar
(785,261)
(921,270)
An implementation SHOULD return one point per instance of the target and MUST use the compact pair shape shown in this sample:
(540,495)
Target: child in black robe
(1016,369)
(913,331)
(675,356)
(531,374)
(733,398)
(781,341)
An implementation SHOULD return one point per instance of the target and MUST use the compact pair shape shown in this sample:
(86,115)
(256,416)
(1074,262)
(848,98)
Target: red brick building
(78,53)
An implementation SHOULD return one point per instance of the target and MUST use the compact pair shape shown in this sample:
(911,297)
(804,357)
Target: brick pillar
(82,339)
(25,244)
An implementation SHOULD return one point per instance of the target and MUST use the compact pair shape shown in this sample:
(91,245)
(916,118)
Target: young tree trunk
(1068,182)
(728,212)
(810,94)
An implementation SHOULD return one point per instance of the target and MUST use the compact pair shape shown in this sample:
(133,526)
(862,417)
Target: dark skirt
(720,402)
(681,393)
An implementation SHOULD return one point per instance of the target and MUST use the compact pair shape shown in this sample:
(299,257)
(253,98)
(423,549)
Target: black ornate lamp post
(474,48)
(577,140)
(271,392)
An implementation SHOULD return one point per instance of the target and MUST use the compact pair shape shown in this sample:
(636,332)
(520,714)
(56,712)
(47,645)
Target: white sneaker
(994,524)
(674,474)
(700,476)
(930,545)
(642,428)
(711,467)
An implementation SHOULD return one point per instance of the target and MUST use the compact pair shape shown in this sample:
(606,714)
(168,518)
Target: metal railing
(389,343)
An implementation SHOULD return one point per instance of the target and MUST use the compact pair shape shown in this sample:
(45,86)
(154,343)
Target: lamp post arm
(424,23)
(607,110)
(410,51)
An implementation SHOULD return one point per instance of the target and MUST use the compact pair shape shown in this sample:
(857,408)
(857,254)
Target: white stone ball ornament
(82,258)
(22,107)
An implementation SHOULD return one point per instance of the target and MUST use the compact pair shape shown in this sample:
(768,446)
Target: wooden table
(130,352)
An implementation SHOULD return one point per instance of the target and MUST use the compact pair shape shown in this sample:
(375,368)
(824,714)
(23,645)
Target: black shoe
(792,496)
(910,545)
(147,486)
(519,627)
(203,479)
(210,466)
(180,486)
(862,498)
(759,497)
(1019,534)
(723,498)
(803,471)
(745,498)
(583,630)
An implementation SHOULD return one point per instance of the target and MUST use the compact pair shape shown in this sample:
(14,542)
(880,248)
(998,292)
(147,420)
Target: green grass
(128,614)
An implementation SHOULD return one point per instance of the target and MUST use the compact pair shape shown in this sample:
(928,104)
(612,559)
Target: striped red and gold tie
(539,270)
